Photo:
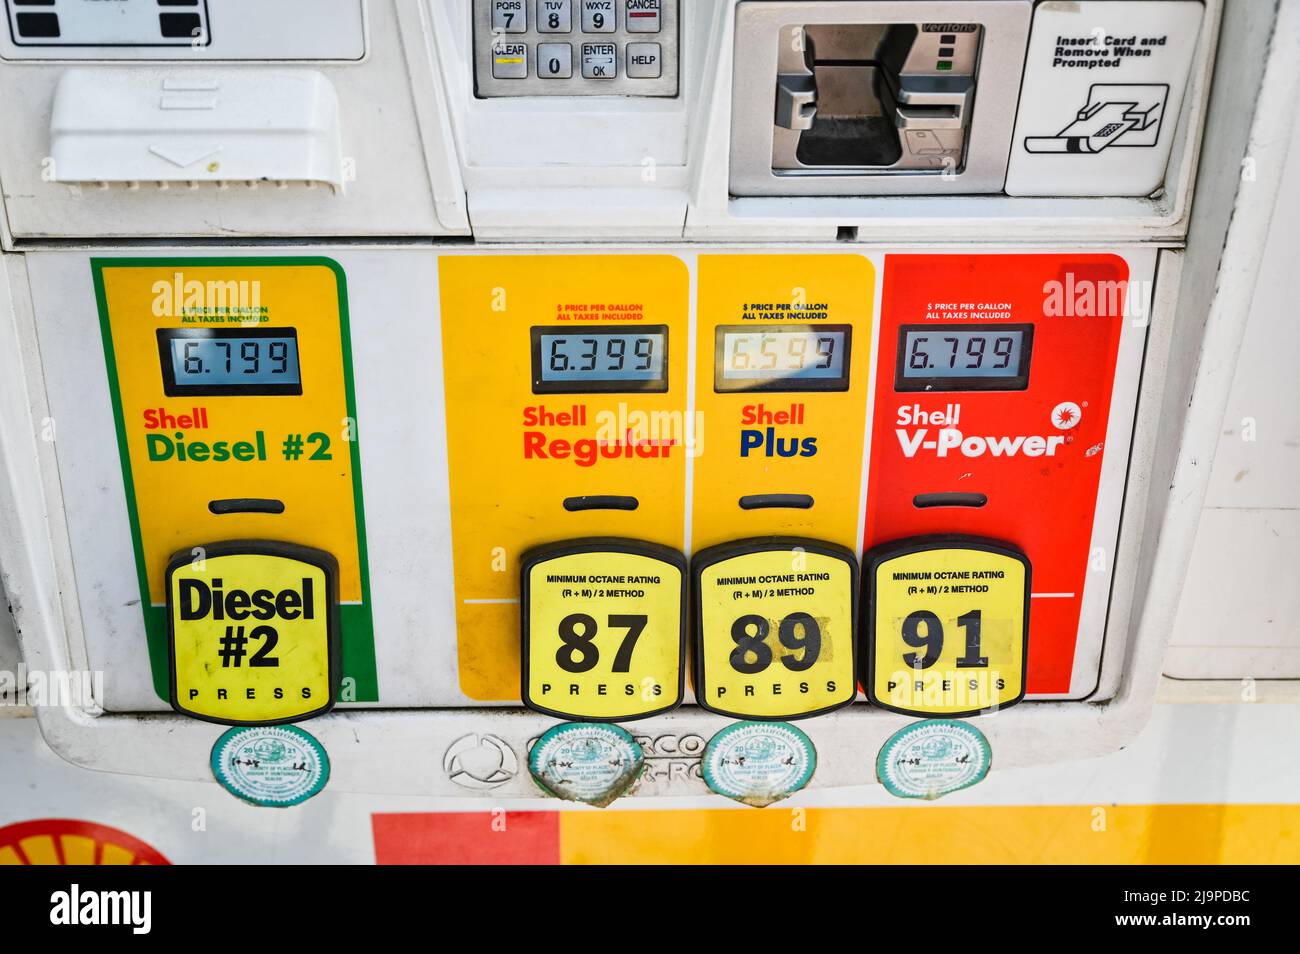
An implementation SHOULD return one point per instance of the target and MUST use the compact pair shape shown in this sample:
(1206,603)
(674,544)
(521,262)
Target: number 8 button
(775,627)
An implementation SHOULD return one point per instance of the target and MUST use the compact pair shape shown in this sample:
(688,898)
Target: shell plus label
(252,633)
(947,626)
(774,628)
(783,345)
(603,629)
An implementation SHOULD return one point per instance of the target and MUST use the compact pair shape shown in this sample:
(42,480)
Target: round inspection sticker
(932,758)
(586,762)
(759,763)
(274,765)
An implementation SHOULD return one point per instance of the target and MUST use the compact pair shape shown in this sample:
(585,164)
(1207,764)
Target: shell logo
(65,841)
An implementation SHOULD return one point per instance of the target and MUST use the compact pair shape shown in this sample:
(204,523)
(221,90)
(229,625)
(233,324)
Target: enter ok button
(643,61)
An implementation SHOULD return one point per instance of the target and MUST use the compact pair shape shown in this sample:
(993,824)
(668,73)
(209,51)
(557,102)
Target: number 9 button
(775,628)
(604,629)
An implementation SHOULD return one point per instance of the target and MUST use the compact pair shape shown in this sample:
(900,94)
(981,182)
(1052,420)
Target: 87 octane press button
(604,629)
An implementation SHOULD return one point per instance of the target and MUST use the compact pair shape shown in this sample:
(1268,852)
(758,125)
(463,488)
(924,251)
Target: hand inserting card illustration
(1115,115)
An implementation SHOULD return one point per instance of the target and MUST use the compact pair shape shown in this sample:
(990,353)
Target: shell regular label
(603,634)
(775,633)
(947,630)
(253,636)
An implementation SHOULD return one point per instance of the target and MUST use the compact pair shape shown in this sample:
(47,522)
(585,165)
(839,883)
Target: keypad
(576,47)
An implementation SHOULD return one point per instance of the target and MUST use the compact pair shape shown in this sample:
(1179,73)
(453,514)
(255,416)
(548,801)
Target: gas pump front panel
(778,480)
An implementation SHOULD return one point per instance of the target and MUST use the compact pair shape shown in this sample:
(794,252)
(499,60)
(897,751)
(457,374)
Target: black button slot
(180,25)
(776,502)
(245,505)
(600,502)
(950,499)
(42,26)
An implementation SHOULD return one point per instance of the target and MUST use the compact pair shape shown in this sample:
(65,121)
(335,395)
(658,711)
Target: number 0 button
(554,60)
(604,629)
(947,625)
(775,624)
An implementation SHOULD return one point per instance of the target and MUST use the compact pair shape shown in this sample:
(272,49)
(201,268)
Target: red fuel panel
(994,379)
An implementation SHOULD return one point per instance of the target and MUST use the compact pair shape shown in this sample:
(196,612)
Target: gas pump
(771,373)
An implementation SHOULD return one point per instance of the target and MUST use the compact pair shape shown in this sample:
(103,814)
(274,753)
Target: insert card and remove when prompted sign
(947,625)
(253,635)
(604,629)
(775,628)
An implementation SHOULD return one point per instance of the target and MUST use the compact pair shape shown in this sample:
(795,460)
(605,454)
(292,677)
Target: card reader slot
(776,501)
(949,499)
(245,505)
(600,502)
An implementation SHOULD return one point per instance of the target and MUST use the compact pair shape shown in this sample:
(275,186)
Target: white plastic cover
(160,125)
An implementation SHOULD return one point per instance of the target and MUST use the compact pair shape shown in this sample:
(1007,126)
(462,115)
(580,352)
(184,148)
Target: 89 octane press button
(775,626)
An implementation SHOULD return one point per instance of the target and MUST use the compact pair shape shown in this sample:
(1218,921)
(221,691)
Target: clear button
(510,60)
